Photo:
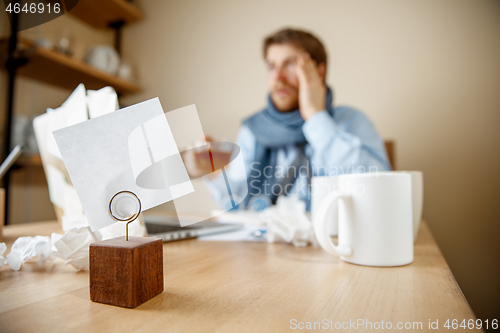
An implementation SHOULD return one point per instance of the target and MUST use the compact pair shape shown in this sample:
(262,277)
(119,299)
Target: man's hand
(312,90)
(192,156)
(189,158)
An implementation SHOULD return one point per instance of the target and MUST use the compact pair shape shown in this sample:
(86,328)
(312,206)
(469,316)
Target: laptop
(169,229)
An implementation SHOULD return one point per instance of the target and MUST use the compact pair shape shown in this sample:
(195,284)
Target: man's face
(281,76)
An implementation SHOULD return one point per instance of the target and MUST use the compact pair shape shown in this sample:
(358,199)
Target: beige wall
(426,72)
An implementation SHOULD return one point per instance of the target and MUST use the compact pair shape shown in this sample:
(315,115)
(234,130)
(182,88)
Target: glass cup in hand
(206,159)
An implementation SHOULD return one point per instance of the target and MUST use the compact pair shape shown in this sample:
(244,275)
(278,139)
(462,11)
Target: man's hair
(300,39)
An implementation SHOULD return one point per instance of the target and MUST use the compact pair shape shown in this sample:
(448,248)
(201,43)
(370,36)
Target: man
(299,134)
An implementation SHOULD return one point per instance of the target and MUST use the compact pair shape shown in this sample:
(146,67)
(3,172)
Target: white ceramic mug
(321,186)
(375,219)
(417,184)
(324,185)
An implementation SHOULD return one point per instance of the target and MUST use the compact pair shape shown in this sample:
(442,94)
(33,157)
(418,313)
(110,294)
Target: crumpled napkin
(25,248)
(288,222)
(3,247)
(73,246)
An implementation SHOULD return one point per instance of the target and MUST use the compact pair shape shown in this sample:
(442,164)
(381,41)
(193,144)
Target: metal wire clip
(128,219)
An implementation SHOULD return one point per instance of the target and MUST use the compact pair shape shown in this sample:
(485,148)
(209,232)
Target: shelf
(100,13)
(63,71)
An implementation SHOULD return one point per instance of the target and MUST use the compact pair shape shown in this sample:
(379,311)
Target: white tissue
(102,101)
(288,222)
(73,246)
(3,247)
(25,248)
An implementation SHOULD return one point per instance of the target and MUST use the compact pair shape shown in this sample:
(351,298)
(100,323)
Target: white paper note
(186,127)
(102,160)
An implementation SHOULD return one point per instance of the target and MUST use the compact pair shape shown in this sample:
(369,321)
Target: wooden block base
(126,273)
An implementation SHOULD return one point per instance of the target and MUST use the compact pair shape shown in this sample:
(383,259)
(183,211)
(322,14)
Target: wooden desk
(236,287)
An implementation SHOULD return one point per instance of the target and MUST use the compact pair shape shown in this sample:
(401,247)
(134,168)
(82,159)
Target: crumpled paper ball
(73,246)
(288,222)
(25,248)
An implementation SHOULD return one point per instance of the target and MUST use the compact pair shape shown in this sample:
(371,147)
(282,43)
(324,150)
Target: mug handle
(321,229)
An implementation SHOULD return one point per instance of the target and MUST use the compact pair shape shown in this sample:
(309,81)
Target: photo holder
(120,211)
(125,272)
